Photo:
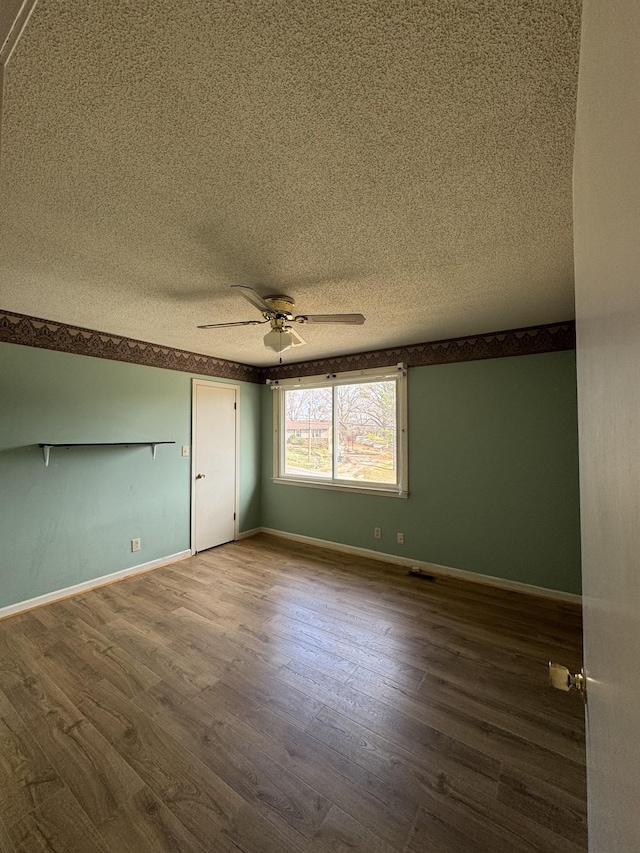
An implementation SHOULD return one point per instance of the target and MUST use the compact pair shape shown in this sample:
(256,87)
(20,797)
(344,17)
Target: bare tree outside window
(309,432)
(365,421)
(344,431)
(366,424)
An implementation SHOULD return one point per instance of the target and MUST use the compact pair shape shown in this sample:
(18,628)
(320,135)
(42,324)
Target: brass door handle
(200,476)
(562,679)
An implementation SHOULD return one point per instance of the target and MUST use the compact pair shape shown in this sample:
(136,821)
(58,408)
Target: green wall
(493,475)
(74,520)
(493,472)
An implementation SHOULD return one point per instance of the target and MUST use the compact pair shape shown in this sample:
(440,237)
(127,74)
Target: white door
(214,464)
(607,260)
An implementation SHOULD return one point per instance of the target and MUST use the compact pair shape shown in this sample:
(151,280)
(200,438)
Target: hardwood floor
(267,697)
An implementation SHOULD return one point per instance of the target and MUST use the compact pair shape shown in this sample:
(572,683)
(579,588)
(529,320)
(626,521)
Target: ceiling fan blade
(225,325)
(253,297)
(347,319)
(297,339)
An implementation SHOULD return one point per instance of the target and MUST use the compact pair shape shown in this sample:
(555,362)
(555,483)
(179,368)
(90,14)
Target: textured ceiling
(409,160)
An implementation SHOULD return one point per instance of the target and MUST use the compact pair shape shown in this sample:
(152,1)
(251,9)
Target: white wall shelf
(46,448)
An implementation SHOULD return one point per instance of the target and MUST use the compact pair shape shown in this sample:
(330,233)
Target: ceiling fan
(279,310)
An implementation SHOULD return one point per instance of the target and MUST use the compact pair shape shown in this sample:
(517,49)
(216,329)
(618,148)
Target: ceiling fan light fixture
(279,340)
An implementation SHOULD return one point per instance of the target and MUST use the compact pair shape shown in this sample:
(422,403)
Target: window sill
(342,487)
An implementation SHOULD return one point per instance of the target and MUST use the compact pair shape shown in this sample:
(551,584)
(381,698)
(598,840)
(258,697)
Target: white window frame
(398,373)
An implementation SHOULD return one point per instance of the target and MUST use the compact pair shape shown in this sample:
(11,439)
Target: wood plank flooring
(266,697)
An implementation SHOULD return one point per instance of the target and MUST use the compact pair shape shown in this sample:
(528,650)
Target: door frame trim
(211,383)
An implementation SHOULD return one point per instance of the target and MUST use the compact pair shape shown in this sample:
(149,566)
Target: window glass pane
(366,423)
(308,440)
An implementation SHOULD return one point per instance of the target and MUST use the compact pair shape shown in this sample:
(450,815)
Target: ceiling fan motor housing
(283,305)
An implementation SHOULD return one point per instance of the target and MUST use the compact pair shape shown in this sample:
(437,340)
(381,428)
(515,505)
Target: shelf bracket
(46,449)
(153,450)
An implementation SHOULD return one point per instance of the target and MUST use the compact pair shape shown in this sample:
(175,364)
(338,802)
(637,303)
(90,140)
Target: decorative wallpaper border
(553,337)
(36,332)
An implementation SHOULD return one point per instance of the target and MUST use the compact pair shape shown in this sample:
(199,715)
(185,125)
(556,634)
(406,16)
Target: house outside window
(344,431)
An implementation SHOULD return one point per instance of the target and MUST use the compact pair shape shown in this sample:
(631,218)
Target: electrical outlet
(185,449)
(135,544)
(377,533)
(400,538)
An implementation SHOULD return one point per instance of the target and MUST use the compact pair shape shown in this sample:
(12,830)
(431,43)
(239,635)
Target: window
(345,431)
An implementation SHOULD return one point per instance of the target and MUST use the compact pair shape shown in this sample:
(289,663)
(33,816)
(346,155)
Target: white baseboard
(247,533)
(68,591)
(432,568)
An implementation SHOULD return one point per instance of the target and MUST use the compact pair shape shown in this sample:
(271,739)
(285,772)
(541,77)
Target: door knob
(200,476)
(562,679)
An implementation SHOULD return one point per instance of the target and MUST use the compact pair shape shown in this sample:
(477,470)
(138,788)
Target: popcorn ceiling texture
(410,160)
